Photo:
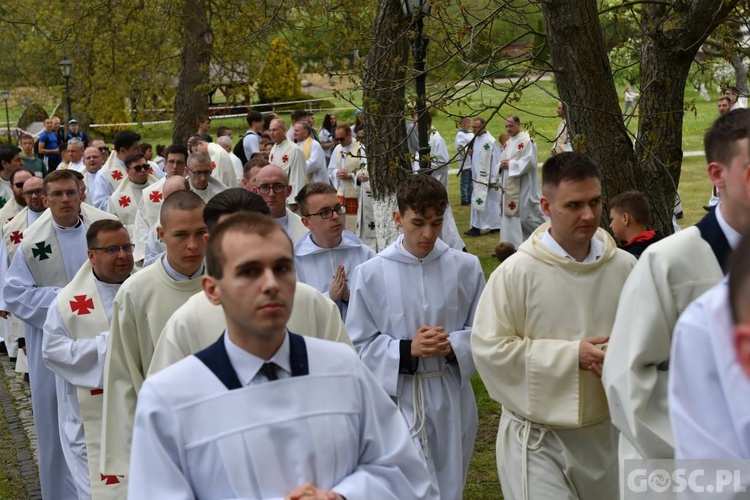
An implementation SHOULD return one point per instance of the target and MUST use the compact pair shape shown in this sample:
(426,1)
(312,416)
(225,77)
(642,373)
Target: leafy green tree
(279,78)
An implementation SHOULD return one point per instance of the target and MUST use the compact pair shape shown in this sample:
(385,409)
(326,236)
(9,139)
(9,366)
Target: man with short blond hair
(142,307)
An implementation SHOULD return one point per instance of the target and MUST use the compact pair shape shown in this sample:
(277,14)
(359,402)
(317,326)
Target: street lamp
(6,96)
(415,11)
(66,67)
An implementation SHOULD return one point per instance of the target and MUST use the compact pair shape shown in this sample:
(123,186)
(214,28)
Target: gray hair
(76,142)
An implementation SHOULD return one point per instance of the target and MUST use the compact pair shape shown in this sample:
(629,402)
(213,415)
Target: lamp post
(415,11)
(6,96)
(66,67)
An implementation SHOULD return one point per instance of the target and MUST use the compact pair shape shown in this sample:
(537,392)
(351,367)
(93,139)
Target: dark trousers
(467,187)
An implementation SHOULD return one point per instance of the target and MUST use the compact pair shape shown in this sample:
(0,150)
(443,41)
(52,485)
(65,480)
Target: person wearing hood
(410,318)
(539,340)
(326,255)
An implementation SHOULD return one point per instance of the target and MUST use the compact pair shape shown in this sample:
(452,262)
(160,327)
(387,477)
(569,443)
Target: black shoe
(473,232)
(3,348)
(708,208)
(26,378)
(494,231)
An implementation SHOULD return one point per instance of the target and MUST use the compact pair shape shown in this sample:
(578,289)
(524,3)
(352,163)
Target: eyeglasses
(327,213)
(266,188)
(58,195)
(139,168)
(176,162)
(115,249)
(199,173)
(38,192)
(18,185)
(339,139)
(104,150)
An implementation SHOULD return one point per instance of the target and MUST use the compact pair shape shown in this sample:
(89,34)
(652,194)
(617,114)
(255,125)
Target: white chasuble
(485,171)
(124,202)
(292,160)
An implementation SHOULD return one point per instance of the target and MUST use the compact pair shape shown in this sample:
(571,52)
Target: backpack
(239,148)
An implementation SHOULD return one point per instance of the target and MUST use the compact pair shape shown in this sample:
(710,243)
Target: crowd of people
(216,321)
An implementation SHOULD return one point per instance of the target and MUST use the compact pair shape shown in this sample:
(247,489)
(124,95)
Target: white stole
(84,316)
(514,149)
(484,173)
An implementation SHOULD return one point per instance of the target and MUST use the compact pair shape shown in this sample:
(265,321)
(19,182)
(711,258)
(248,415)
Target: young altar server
(141,308)
(198,323)
(52,251)
(74,347)
(410,316)
(268,413)
(327,255)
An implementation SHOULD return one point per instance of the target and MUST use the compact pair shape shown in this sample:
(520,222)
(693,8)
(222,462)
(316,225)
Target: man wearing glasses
(347,159)
(113,172)
(17,202)
(273,185)
(124,201)
(202,183)
(51,252)
(33,195)
(219,160)
(74,348)
(327,254)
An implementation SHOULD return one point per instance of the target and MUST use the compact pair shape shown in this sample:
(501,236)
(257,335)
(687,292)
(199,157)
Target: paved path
(15,401)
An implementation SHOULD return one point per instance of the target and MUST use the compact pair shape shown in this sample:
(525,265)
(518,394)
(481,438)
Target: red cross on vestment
(16,237)
(81,305)
(155,196)
(512,205)
(124,201)
(117,175)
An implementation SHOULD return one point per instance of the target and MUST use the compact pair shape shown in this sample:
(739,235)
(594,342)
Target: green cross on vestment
(479,201)
(487,146)
(372,226)
(42,250)
(2,201)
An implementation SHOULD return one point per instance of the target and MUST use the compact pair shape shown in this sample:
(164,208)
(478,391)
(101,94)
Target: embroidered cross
(97,392)
(371,225)
(479,201)
(111,479)
(213,165)
(117,175)
(486,146)
(16,237)
(151,170)
(520,146)
(81,305)
(512,205)
(2,201)
(155,196)
(124,201)
(42,250)
(284,158)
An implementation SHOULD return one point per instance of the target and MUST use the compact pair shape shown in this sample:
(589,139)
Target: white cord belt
(417,427)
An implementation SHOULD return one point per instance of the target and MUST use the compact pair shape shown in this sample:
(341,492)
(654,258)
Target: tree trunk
(192,100)
(740,73)
(671,37)
(383,101)
(585,84)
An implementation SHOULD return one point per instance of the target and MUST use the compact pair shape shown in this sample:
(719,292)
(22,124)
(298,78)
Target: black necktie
(269,370)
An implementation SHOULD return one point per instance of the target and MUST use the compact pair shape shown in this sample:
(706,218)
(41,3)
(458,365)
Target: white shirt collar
(732,236)
(176,275)
(247,365)
(283,221)
(595,252)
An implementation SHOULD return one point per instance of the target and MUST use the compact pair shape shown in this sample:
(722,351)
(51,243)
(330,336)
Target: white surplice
(709,403)
(392,296)
(316,266)
(334,427)
(292,160)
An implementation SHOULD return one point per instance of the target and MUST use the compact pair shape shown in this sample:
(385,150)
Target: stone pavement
(15,401)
